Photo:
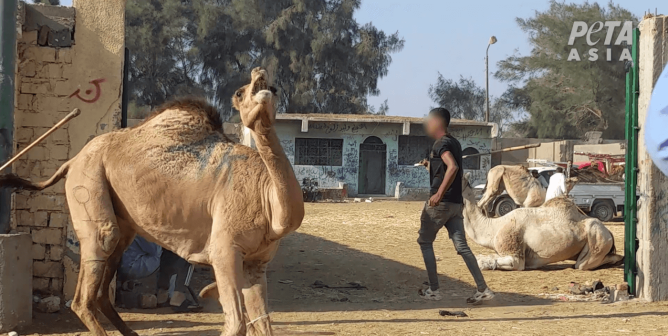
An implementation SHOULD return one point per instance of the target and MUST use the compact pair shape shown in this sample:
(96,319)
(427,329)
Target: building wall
(354,134)
(50,82)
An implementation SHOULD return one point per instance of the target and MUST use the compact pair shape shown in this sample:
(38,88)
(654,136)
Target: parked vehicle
(599,200)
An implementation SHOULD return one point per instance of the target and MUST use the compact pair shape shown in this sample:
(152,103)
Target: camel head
(256,102)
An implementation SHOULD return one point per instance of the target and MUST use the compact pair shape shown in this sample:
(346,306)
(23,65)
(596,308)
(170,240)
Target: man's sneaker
(429,294)
(479,297)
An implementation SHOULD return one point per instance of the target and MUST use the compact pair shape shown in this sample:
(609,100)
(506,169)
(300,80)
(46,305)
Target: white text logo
(581,29)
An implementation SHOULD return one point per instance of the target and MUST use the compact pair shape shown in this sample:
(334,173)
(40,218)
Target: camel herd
(178,181)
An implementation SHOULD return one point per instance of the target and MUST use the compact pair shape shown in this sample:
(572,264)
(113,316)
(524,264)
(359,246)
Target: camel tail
(14,182)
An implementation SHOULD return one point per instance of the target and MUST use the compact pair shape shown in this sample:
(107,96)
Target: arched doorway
(373,161)
(472,162)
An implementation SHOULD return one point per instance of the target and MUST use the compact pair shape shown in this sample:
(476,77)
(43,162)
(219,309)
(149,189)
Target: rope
(257,319)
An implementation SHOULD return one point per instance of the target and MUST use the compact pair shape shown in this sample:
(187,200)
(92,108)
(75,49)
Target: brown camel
(178,181)
(523,188)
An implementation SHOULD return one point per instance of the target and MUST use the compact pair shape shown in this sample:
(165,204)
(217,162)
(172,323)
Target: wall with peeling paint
(354,134)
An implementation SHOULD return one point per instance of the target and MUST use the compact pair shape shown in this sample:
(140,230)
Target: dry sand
(374,244)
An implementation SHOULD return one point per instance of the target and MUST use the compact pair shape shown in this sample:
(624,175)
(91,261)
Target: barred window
(412,149)
(318,152)
(472,162)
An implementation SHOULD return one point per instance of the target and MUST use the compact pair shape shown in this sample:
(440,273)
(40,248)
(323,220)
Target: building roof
(372,118)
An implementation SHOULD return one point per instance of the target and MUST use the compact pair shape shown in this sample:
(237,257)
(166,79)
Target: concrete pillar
(652,231)
(15,281)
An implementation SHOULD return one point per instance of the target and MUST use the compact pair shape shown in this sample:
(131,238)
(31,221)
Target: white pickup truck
(599,200)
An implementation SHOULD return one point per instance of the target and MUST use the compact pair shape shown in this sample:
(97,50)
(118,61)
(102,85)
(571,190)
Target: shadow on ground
(302,260)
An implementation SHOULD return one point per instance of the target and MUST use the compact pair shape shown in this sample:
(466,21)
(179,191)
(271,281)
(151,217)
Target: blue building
(371,153)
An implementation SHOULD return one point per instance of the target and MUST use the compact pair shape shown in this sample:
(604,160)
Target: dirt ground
(374,244)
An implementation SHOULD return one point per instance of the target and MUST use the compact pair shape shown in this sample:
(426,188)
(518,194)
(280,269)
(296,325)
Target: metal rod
(62,122)
(487,84)
(509,149)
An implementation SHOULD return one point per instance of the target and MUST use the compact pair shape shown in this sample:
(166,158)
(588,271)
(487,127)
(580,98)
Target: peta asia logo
(616,33)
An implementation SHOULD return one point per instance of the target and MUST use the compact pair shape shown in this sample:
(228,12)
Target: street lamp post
(492,40)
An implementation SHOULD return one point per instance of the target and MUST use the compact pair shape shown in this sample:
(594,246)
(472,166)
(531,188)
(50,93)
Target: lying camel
(524,189)
(529,238)
(178,181)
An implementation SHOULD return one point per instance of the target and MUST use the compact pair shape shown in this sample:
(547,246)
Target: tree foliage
(565,98)
(466,100)
(47,2)
(321,59)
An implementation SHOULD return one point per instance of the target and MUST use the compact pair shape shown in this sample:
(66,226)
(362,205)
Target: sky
(450,37)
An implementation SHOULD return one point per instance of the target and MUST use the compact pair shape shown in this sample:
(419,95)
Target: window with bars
(412,149)
(318,152)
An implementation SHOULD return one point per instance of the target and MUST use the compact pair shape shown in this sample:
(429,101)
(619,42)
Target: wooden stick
(67,118)
(505,150)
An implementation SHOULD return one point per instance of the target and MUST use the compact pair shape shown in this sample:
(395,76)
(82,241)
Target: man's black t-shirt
(437,168)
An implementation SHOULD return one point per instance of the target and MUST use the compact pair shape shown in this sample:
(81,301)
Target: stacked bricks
(41,101)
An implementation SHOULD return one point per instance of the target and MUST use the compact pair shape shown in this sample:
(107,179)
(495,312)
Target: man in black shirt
(444,208)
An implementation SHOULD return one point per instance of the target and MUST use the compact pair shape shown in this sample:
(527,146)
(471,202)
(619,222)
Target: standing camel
(524,189)
(530,238)
(178,181)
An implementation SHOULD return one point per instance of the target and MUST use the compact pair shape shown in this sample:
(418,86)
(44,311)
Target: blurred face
(433,126)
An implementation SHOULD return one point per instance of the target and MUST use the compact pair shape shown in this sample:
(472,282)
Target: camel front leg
(504,263)
(255,299)
(227,265)
(510,263)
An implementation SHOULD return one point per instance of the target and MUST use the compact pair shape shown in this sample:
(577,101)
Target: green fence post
(631,169)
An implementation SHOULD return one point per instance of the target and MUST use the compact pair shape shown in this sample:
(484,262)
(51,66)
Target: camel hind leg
(599,244)
(103,300)
(96,227)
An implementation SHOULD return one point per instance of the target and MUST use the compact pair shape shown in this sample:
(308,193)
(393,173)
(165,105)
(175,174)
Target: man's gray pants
(432,220)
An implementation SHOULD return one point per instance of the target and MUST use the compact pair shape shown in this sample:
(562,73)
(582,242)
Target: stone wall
(55,75)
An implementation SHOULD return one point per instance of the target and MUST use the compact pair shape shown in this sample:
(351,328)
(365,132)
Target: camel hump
(196,106)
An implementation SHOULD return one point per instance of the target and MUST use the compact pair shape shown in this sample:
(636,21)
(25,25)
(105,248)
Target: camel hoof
(487,264)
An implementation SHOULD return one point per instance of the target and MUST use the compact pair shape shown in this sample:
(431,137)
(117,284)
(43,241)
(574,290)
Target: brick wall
(60,68)
(42,100)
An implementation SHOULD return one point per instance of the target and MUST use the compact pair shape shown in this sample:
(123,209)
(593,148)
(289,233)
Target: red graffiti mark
(98,91)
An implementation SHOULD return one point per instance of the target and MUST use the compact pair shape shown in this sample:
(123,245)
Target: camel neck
(479,227)
(289,210)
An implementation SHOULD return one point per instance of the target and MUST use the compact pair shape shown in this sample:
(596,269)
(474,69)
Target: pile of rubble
(592,174)
(593,291)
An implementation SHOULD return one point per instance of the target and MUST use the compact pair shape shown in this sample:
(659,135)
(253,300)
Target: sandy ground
(374,244)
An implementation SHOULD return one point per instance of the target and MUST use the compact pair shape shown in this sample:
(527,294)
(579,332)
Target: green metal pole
(7,72)
(631,170)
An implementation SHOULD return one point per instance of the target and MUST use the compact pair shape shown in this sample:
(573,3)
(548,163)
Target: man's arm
(449,177)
